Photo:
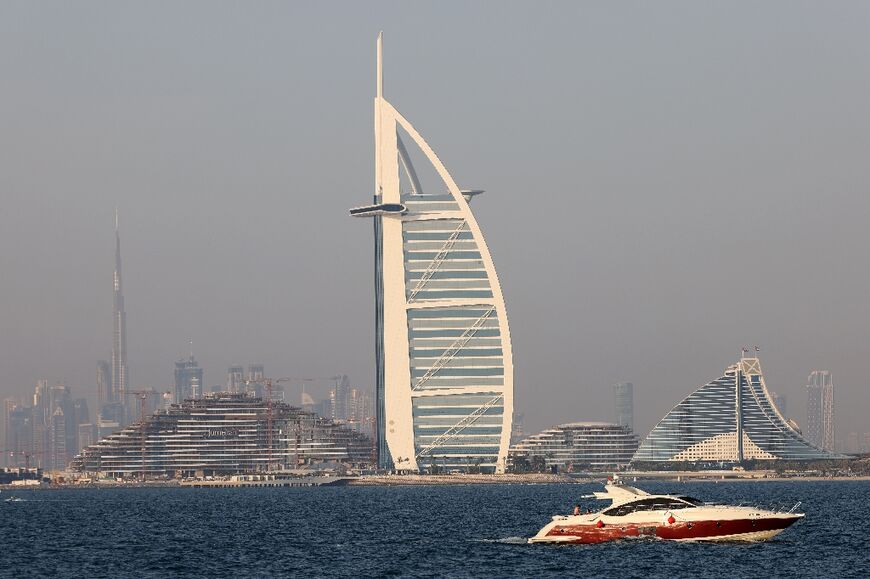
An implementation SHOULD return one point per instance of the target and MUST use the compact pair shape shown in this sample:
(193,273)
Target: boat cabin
(653,504)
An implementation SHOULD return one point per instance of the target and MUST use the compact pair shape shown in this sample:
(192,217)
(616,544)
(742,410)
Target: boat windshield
(692,501)
(651,504)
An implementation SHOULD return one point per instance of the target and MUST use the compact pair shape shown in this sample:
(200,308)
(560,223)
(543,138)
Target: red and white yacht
(634,513)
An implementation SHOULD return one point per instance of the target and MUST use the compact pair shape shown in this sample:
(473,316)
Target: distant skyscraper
(360,414)
(256,372)
(780,403)
(623,395)
(235,379)
(256,376)
(46,434)
(80,415)
(9,406)
(820,410)
(339,399)
(188,379)
(105,393)
(87,436)
(58,456)
(19,436)
(518,431)
(119,331)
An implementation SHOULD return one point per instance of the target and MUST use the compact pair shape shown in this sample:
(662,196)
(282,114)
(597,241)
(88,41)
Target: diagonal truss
(454,348)
(454,430)
(437,261)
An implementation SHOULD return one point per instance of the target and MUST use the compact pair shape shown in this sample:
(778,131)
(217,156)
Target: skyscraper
(623,397)
(444,366)
(105,393)
(119,331)
(820,410)
(780,402)
(188,379)
(235,379)
(256,377)
(339,399)
(19,436)
(9,406)
(58,456)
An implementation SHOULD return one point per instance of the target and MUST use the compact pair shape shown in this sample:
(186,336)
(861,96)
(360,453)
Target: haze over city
(663,188)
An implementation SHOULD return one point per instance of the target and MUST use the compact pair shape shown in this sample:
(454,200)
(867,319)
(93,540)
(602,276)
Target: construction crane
(267,382)
(25,453)
(142,396)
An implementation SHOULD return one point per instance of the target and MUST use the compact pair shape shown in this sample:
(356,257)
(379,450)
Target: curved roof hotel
(444,374)
(732,418)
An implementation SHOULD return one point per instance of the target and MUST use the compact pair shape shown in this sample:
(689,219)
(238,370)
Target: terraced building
(223,434)
(731,419)
(444,371)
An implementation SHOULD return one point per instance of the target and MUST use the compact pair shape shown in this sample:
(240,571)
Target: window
(692,501)
(652,504)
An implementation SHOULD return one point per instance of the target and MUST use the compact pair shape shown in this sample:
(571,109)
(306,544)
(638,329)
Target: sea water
(419,531)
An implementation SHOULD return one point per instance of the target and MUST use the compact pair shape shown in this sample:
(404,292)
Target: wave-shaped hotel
(444,374)
(731,419)
(223,434)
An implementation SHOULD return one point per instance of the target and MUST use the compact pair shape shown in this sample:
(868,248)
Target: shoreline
(454,480)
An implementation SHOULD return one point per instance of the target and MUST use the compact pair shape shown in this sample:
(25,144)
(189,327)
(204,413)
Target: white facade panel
(445,360)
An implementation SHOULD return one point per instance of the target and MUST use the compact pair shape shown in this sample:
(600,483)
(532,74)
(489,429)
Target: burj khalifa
(119,334)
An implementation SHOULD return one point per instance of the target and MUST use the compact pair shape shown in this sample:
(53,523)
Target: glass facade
(731,419)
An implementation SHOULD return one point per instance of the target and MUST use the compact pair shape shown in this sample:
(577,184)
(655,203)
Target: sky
(666,183)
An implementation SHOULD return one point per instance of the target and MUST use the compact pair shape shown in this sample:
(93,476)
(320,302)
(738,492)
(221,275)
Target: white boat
(634,513)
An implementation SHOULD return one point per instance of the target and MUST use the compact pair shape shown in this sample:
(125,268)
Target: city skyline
(651,192)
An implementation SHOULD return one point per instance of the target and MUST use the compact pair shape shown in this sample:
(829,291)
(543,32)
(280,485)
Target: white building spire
(380,79)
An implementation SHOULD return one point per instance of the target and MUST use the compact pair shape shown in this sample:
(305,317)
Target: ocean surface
(428,531)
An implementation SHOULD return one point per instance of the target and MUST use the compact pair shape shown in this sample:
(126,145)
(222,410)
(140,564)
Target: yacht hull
(734,530)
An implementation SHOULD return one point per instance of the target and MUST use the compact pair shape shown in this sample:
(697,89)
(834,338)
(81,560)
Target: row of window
(709,412)
(653,504)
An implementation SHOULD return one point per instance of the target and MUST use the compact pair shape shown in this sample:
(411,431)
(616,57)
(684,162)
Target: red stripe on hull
(698,530)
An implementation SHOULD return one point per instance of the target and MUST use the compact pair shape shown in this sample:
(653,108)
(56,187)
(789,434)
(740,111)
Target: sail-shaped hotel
(444,378)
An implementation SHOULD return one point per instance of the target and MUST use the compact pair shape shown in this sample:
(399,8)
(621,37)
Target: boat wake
(507,541)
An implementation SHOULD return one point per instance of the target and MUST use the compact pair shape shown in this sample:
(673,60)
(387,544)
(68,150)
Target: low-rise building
(576,446)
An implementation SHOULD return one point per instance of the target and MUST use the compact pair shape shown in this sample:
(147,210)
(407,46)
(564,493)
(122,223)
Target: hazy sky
(666,182)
